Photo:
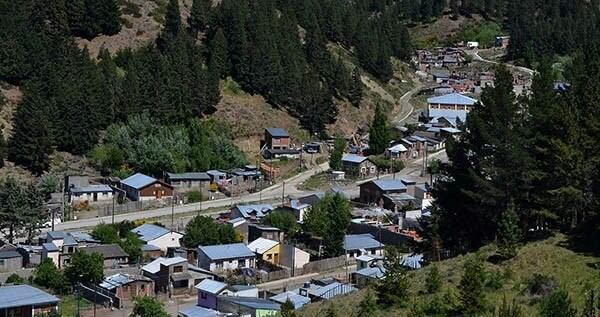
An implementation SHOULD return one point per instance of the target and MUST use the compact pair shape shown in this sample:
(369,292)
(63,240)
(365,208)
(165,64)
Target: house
(368,260)
(216,176)
(170,275)
(10,260)
(90,193)
(251,212)
(125,287)
(372,192)
(244,306)
(158,236)
(59,246)
(51,251)
(140,187)
(358,165)
(267,250)
(367,276)
(26,301)
(440,76)
(415,146)
(151,252)
(423,194)
(225,257)
(189,181)
(301,205)
(113,255)
(277,139)
(362,244)
(453,105)
(256,231)
(208,290)
(398,201)
(397,152)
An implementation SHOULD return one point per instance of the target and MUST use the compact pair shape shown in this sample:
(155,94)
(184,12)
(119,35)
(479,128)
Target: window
(2,262)
(242,263)
(202,295)
(269,256)
(373,251)
(178,269)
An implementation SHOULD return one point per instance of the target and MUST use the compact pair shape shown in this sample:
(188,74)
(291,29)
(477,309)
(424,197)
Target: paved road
(478,57)
(273,192)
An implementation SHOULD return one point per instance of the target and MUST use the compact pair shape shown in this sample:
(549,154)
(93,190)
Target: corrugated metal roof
(54,235)
(24,295)
(261,245)
(296,299)
(91,189)
(138,180)
(259,210)
(117,280)
(201,176)
(149,247)
(372,272)
(360,241)
(389,184)
(451,115)
(154,266)
(452,99)
(148,232)
(82,236)
(69,240)
(353,158)
(108,251)
(211,286)
(226,251)
(277,132)
(254,303)
(397,148)
(197,311)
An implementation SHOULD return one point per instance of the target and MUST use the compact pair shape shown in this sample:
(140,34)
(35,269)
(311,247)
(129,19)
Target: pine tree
(433,282)
(368,305)
(356,88)
(379,133)
(29,145)
(509,233)
(471,287)
(509,310)
(557,304)
(287,309)
(392,290)
(335,159)
(172,20)
(592,304)
(218,53)
(199,15)
(338,215)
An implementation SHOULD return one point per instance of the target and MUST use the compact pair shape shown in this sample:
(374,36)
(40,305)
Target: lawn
(315,182)
(575,272)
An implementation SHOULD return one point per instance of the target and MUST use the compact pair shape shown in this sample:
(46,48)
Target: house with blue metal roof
(362,244)
(358,165)
(26,301)
(372,192)
(225,257)
(139,187)
(158,236)
(451,106)
(197,311)
(90,193)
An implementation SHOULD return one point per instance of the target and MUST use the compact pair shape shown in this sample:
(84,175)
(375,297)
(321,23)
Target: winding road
(477,57)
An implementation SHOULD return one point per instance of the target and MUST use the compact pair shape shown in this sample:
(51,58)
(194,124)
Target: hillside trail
(402,106)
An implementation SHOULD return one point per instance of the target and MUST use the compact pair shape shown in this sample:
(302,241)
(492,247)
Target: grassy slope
(573,271)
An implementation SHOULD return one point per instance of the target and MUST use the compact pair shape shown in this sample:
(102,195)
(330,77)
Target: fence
(325,265)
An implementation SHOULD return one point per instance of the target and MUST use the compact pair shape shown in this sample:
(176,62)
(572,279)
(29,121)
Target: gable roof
(10,254)
(201,176)
(55,235)
(24,295)
(452,99)
(372,272)
(397,148)
(296,299)
(108,251)
(148,232)
(226,251)
(353,158)
(211,286)
(154,266)
(120,279)
(50,247)
(138,180)
(260,210)
(262,245)
(388,184)
(360,241)
(277,132)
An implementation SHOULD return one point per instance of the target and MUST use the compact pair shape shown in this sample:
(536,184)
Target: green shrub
(194,196)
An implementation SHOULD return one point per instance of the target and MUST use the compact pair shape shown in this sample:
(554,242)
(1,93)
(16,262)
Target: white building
(158,236)
(225,257)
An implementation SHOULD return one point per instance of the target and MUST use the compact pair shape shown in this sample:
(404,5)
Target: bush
(494,280)
(15,279)
(540,285)
(194,196)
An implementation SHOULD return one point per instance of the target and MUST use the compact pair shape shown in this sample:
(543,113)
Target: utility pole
(283,193)
(113,209)
(173,211)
